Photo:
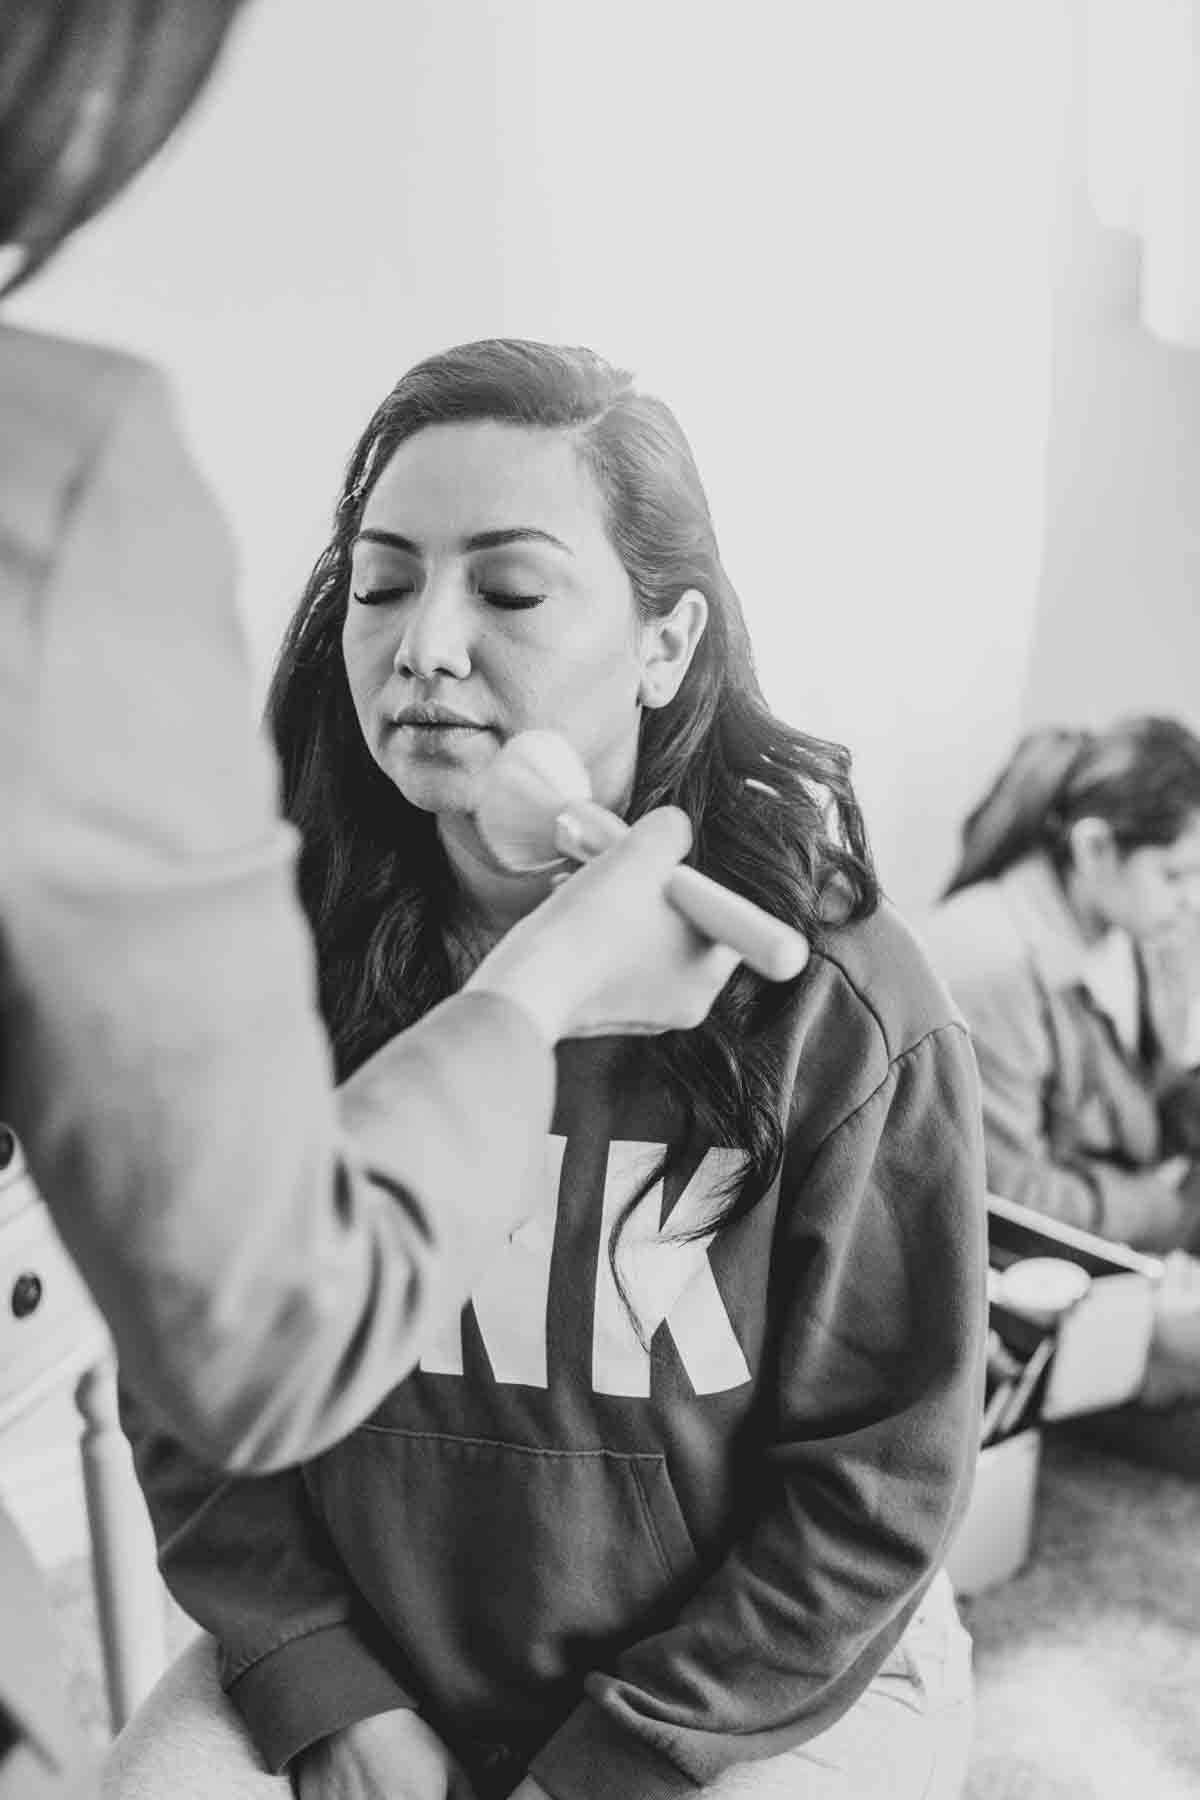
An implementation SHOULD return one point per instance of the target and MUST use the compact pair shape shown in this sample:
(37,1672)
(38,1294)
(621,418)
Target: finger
(709,962)
(583,830)
(664,835)
(705,981)
(625,1028)
(720,962)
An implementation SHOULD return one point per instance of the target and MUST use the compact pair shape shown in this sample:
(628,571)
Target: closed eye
(510,602)
(497,597)
(380,596)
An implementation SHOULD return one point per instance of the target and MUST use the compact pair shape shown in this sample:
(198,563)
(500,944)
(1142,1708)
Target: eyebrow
(481,540)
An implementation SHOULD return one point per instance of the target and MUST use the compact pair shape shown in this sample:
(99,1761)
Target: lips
(430,718)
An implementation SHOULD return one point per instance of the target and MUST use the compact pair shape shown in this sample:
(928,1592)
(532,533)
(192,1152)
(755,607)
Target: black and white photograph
(599,900)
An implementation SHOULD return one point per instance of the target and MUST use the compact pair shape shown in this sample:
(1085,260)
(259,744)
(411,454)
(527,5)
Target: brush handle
(766,945)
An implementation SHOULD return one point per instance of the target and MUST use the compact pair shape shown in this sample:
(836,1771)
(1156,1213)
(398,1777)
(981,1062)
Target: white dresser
(53,1339)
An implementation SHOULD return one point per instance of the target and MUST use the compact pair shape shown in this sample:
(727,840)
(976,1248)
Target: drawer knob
(26,1295)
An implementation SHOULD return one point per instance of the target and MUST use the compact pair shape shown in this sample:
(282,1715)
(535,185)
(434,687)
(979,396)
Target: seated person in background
(1079,875)
(665,1510)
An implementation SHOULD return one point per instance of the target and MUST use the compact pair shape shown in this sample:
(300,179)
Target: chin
(438,784)
(439,792)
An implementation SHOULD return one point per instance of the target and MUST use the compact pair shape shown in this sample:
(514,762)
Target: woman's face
(1153,891)
(485,599)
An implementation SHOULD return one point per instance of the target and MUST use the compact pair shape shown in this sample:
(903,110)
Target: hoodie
(627,1545)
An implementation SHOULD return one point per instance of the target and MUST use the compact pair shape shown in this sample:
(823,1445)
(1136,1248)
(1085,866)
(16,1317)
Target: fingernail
(568,836)
(584,830)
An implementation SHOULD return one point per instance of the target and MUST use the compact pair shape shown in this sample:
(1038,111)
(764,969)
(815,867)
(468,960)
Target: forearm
(267,1283)
(1025,1172)
(1139,1207)
(267,1280)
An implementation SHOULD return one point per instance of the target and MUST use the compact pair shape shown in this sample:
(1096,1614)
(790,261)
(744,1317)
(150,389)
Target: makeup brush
(538,775)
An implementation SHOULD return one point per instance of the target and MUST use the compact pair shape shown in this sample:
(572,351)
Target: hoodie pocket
(504,1574)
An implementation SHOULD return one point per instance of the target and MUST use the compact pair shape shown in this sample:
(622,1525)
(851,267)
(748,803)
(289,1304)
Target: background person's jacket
(1079,1111)
(626,1566)
(161,1055)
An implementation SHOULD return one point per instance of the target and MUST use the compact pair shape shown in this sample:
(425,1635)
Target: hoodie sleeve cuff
(310,1688)
(592,1757)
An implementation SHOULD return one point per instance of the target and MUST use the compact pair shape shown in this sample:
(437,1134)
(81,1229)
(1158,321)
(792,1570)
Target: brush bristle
(527,786)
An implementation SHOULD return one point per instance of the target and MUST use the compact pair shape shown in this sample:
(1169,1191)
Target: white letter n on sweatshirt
(668,1281)
(512,1300)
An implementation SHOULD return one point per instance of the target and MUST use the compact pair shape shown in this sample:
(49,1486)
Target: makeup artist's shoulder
(58,394)
(61,404)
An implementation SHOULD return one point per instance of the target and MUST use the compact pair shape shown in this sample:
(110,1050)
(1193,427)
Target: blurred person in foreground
(270,1254)
(1062,935)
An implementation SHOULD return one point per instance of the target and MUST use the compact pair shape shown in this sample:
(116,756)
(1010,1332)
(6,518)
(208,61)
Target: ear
(668,646)
(1091,844)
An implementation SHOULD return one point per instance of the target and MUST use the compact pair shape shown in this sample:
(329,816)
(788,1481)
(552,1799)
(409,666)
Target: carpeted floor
(1088,1663)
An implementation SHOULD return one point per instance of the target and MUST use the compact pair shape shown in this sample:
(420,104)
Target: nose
(435,634)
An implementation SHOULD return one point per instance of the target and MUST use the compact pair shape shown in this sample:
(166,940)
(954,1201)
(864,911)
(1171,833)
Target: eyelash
(503,602)
(511,602)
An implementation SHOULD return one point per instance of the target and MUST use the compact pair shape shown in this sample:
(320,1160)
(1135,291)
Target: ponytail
(1022,811)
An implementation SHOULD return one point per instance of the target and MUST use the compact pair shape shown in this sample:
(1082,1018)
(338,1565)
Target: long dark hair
(1141,776)
(773,810)
(90,90)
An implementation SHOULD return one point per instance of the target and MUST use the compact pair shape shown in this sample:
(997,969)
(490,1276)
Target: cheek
(614,659)
(597,706)
(588,682)
(366,660)
(1170,901)
(1151,901)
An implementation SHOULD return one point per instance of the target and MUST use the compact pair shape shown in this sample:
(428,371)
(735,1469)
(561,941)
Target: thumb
(663,837)
(583,830)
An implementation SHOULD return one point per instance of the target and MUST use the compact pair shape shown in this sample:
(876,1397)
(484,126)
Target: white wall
(1117,626)
(820,231)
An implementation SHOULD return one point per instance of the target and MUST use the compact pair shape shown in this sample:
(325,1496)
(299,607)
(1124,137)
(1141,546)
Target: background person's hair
(773,810)
(90,90)
(1141,776)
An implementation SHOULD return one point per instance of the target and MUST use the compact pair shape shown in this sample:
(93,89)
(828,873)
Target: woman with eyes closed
(664,1510)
